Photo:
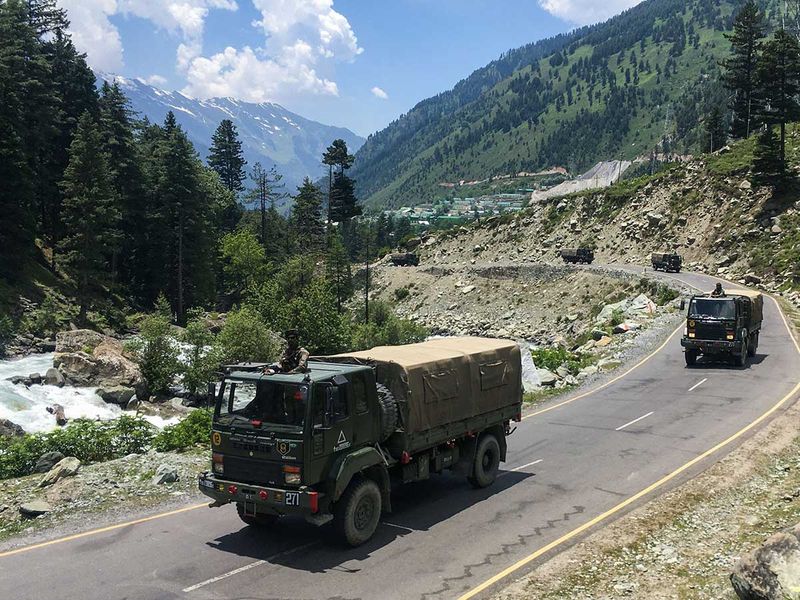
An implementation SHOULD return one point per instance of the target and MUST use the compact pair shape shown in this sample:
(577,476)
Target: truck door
(333,432)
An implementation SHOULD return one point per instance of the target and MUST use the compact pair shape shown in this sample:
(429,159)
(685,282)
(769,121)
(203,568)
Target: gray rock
(34,509)
(117,395)
(772,571)
(9,429)
(165,474)
(66,467)
(35,378)
(546,378)
(16,379)
(776,229)
(47,461)
(751,279)
(54,377)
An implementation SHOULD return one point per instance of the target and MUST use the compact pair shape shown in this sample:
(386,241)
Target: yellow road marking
(666,479)
(77,536)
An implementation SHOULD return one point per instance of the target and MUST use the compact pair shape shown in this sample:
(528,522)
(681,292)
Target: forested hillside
(644,81)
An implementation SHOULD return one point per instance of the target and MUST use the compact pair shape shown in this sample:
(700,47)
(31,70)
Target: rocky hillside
(707,210)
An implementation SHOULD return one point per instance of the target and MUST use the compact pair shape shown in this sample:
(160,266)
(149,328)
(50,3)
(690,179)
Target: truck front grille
(248,470)
(710,331)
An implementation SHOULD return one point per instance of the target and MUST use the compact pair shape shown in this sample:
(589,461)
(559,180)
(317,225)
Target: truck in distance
(723,324)
(404,259)
(669,263)
(330,443)
(577,255)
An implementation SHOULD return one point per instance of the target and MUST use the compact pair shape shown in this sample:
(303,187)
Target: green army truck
(723,324)
(404,259)
(666,262)
(577,255)
(330,444)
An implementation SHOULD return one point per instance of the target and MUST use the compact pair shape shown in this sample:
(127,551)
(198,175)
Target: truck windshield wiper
(232,416)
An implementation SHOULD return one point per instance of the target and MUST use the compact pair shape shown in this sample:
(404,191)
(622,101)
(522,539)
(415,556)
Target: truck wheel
(358,511)
(691,357)
(487,461)
(260,520)
(388,411)
(753,347)
(742,358)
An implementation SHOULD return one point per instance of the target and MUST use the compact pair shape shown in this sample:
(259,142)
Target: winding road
(574,464)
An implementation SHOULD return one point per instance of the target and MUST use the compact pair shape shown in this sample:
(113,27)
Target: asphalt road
(568,464)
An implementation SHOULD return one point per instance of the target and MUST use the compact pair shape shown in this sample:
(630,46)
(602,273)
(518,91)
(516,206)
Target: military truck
(404,259)
(578,255)
(726,324)
(330,444)
(670,263)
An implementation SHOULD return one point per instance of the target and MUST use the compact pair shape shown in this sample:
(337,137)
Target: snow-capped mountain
(270,134)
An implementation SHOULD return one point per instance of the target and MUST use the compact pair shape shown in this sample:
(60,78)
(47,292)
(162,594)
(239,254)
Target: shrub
(385,328)
(617,317)
(202,357)
(246,338)
(156,353)
(194,429)
(401,294)
(6,332)
(44,321)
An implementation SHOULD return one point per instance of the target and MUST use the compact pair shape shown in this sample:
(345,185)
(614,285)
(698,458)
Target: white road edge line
(258,563)
(530,464)
(634,421)
(697,385)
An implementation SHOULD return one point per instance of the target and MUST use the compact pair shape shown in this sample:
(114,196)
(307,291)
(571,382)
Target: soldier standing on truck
(718,292)
(294,359)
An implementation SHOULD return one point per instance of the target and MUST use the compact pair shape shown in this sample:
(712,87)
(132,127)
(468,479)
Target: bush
(194,429)
(46,320)
(401,294)
(617,317)
(6,332)
(203,358)
(156,353)
(246,338)
(385,328)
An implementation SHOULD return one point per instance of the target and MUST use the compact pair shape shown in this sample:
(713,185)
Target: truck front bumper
(261,499)
(712,346)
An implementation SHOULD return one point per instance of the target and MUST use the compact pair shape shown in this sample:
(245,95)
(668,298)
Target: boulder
(117,395)
(546,378)
(641,305)
(35,508)
(47,461)
(58,411)
(654,219)
(66,467)
(9,429)
(54,377)
(35,378)
(603,342)
(88,358)
(772,571)
(165,474)
(752,279)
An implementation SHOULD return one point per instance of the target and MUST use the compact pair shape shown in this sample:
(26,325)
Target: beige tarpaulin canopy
(445,380)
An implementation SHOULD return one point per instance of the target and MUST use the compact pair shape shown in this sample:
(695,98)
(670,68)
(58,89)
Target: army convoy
(669,263)
(726,324)
(329,444)
(577,255)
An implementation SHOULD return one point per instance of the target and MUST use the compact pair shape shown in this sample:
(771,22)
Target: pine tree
(307,224)
(89,212)
(714,130)
(768,167)
(779,83)
(266,190)
(226,156)
(741,68)
(337,270)
(336,155)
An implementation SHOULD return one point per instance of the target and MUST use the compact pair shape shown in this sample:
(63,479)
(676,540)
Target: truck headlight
(291,475)
(691,334)
(218,465)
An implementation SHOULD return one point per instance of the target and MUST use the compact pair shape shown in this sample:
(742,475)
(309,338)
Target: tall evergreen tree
(779,83)
(337,270)
(336,155)
(89,212)
(226,156)
(715,136)
(768,168)
(306,220)
(267,189)
(741,68)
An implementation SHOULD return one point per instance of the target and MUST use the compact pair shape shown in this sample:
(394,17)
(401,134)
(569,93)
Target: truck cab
(726,324)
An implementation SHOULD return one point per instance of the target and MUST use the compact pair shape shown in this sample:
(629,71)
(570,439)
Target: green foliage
(7,330)
(554,357)
(306,221)
(194,429)
(245,337)
(617,317)
(46,320)
(314,313)
(385,328)
(243,260)
(157,353)
(202,358)
(401,294)
(226,156)
(768,168)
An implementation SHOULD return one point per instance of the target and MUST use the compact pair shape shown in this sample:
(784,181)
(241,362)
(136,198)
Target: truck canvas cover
(756,301)
(445,380)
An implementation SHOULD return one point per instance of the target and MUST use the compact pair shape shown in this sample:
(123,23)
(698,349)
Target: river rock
(35,508)
(772,571)
(54,377)
(165,474)
(47,461)
(546,378)
(58,411)
(35,378)
(66,467)
(88,358)
(9,429)
(117,395)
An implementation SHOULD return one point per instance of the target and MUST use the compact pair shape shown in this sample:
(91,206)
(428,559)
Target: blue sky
(354,63)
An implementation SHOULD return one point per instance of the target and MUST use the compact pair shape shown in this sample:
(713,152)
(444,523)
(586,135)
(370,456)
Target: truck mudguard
(351,464)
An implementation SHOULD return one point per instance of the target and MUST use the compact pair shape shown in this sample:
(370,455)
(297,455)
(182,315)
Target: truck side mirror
(331,396)
(683,304)
(212,391)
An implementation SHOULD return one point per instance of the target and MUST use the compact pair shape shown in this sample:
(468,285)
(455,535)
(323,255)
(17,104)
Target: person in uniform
(718,291)
(295,357)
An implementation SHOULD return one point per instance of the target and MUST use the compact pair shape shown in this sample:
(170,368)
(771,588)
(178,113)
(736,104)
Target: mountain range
(641,82)
(270,134)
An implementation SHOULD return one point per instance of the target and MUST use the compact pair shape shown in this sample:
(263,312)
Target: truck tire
(486,463)
(752,349)
(260,520)
(356,514)
(388,411)
(691,357)
(741,360)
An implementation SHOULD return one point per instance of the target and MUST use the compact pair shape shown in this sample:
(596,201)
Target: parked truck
(666,262)
(723,324)
(578,255)
(404,259)
(330,444)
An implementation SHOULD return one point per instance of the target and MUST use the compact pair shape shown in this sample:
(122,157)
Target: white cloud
(93,33)
(585,12)
(379,93)
(154,80)
(303,39)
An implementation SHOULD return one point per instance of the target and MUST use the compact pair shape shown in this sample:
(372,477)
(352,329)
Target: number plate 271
(292,499)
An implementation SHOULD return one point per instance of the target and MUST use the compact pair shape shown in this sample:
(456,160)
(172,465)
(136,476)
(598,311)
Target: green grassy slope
(637,83)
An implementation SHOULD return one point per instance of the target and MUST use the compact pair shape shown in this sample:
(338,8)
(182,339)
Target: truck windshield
(713,308)
(265,401)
